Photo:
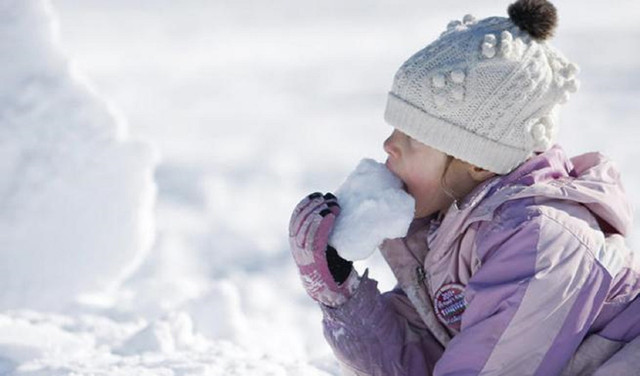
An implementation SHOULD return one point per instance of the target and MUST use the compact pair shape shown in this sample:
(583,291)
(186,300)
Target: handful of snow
(374,207)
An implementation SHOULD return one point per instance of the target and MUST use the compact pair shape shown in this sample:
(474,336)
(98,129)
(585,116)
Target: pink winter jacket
(528,275)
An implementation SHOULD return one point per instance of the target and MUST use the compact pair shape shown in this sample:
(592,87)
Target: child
(515,263)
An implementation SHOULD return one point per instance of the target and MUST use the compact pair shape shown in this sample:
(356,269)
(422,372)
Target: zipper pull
(420,274)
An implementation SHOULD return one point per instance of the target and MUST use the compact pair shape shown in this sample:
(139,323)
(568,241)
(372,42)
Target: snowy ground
(250,105)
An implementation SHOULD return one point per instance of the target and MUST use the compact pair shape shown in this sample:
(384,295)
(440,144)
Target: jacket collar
(590,179)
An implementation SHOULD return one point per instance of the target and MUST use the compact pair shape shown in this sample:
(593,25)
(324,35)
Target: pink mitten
(327,277)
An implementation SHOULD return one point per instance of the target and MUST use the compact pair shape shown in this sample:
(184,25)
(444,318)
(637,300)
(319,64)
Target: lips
(390,167)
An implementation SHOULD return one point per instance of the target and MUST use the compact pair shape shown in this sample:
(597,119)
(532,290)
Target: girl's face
(420,167)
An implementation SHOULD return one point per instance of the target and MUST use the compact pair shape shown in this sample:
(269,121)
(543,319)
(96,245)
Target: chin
(424,210)
(423,214)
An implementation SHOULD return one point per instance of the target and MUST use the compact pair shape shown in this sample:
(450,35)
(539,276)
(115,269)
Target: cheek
(421,180)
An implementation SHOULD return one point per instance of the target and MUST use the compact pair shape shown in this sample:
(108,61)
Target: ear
(479,174)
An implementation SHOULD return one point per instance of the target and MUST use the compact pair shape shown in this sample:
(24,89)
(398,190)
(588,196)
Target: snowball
(374,207)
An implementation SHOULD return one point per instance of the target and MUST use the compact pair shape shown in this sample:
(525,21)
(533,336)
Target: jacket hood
(590,179)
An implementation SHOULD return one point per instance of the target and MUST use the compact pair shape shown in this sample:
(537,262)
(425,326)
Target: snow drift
(76,195)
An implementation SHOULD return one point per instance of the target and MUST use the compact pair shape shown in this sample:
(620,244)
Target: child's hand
(327,277)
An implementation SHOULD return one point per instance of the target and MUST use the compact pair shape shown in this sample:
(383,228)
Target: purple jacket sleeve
(380,334)
(532,300)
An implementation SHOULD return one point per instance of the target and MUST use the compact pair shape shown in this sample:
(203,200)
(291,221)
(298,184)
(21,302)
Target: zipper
(421,276)
(423,279)
(426,307)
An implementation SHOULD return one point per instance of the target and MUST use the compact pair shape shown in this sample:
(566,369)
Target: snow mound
(165,335)
(218,313)
(35,344)
(374,207)
(76,195)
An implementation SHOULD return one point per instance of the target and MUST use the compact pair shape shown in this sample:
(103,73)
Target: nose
(390,146)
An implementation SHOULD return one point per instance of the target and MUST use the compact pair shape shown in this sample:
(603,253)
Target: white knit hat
(486,91)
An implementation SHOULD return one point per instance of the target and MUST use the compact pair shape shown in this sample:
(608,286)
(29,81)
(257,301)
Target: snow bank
(35,344)
(374,207)
(76,195)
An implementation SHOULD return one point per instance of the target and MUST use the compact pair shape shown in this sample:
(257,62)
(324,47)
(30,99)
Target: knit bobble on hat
(457,76)
(542,132)
(489,46)
(468,19)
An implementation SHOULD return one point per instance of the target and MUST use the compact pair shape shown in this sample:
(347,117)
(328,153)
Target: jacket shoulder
(566,215)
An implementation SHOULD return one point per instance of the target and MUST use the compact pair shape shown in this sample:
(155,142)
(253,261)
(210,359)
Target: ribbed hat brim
(452,139)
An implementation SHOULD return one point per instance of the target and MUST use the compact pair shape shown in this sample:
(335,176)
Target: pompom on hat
(486,91)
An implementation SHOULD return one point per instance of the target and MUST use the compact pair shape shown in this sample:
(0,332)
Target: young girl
(515,263)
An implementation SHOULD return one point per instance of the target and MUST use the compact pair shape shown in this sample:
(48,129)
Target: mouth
(404,185)
(389,165)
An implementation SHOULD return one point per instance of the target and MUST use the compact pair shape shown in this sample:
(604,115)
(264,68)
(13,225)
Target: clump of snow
(37,344)
(27,336)
(374,207)
(166,335)
(76,194)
